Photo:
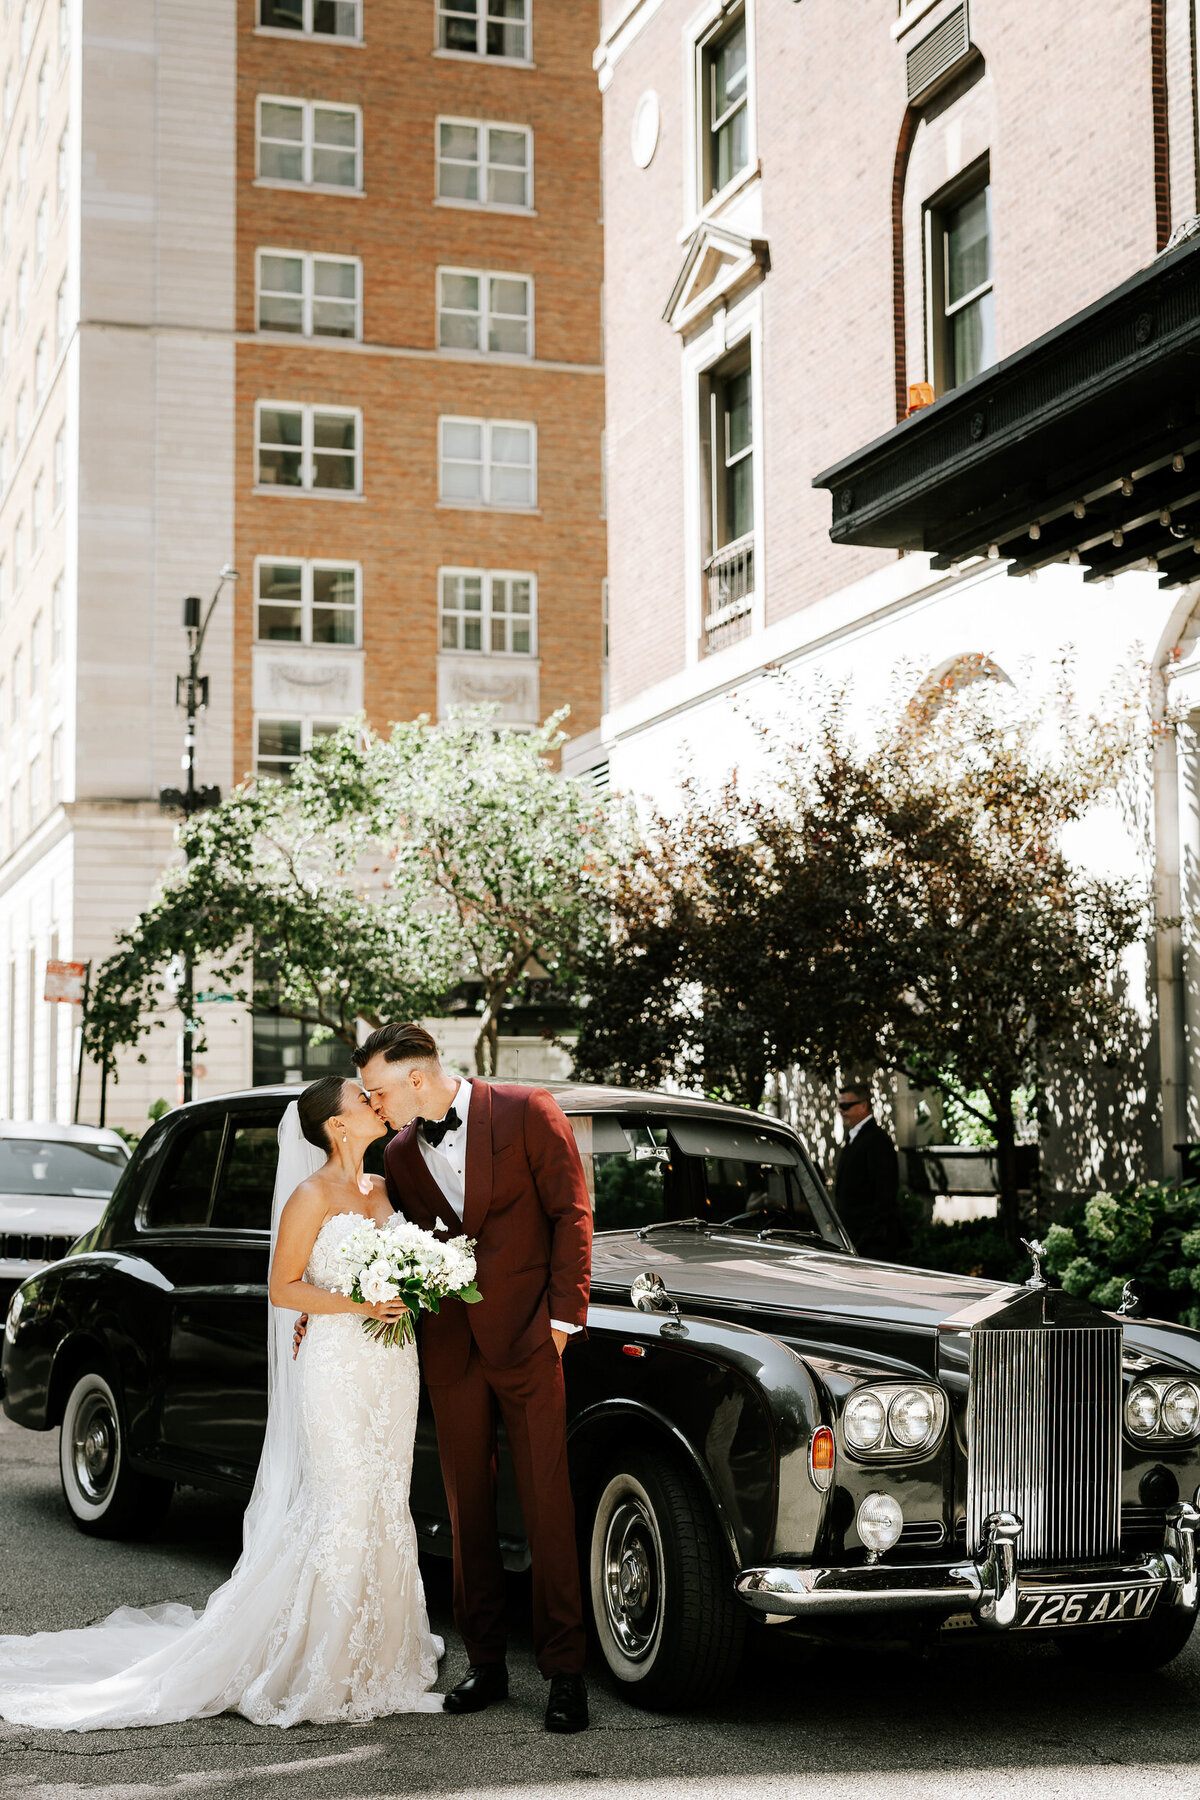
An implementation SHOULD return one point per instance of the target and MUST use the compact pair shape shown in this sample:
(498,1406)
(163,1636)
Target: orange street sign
(66,981)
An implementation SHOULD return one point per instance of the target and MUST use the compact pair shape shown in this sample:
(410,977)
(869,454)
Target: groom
(501,1165)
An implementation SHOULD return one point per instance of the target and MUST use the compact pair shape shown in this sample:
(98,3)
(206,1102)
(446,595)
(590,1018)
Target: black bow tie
(434,1130)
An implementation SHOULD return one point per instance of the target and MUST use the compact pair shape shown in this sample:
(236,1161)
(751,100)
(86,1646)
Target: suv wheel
(106,1497)
(663,1605)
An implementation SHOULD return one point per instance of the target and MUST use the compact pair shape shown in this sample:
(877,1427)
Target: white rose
(376,1287)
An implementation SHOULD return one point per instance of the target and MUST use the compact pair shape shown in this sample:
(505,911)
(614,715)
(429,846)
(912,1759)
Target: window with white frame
(22,291)
(483,164)
(492,611)
(315,296)
(23,164)
(17,685)
(37,515)
(21,416)
(727,461)
(959,300)
(42,104)
(57,600)
(724,105)
(56,767)
(28,21)
(62,169)
(309,143)
(307,601)
(488,462)
(280,743)
(309,447)
(41,367)
(10,94)
(483,309)
(64,30)
(35,654)
(5,342)
(6,218)
(495,28)
(35,791)
(4,460)
(19,554)
(314,18)
(41,233)
(60,318)
(60,468)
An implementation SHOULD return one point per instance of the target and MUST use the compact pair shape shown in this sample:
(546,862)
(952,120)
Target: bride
(324,1616)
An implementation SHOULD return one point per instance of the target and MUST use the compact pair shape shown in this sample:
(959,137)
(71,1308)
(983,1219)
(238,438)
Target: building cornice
(631,19)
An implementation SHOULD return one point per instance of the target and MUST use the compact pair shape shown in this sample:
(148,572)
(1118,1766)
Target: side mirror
(649,1294)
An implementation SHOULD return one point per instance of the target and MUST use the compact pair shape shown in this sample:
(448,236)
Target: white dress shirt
(447,1163)
(855,1129)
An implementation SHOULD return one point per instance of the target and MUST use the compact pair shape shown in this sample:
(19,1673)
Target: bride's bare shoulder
(309,1200)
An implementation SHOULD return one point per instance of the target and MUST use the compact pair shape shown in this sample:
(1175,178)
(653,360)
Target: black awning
(1083,447)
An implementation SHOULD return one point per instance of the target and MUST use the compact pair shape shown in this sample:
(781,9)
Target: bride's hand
(386,1310)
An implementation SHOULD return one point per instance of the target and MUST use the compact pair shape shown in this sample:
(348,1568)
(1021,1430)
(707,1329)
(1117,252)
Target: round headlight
(1181,1409)
(879,1521)
(1141,1410)
(862,1420)
(911,1418)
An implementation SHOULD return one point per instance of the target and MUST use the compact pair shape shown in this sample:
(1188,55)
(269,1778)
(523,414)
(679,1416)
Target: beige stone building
(254,312)
(817,215)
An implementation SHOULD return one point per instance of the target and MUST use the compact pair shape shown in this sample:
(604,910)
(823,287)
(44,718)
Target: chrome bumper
(989,1588)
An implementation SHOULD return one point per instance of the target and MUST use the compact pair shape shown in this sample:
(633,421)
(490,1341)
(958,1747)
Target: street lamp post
(191,693)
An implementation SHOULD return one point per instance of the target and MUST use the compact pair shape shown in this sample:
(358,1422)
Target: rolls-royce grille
(31,1246)
(1044,1435)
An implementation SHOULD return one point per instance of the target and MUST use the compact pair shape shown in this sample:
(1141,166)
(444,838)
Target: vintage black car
(763,1424)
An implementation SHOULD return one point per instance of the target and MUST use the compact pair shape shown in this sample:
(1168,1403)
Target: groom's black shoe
(567,1707)
(482,1684)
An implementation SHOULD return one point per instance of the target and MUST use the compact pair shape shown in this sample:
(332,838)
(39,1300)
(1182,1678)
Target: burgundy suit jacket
(527,1207)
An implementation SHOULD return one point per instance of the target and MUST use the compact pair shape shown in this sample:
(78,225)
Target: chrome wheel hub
(633,1578)
(94,1447)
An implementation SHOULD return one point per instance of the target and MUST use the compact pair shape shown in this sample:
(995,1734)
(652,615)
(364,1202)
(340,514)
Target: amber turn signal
(820,1457)
(632,1350)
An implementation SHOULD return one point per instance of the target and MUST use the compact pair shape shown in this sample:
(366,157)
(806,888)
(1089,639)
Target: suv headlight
(1163,1408)
(893,1420)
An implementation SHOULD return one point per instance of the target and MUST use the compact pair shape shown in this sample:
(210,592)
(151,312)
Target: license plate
(1054,1607)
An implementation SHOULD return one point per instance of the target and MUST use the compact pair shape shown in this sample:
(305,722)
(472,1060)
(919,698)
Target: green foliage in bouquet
(1148,1233)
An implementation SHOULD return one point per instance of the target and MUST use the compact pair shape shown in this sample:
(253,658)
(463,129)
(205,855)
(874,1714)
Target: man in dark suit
(867,1182)
(499,1164)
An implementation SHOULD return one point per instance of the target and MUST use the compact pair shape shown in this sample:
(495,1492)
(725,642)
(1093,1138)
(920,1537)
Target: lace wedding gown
(324,1616)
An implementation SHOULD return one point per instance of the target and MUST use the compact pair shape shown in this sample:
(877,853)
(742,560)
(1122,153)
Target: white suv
(55,1181)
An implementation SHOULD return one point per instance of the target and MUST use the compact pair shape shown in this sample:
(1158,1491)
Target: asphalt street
(965,1719)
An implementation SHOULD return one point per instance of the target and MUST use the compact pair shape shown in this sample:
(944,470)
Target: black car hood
(726,1272)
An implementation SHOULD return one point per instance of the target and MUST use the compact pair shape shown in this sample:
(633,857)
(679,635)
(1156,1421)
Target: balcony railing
(729,594)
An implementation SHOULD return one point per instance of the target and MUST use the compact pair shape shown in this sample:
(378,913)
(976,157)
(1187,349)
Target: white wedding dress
(324,1616)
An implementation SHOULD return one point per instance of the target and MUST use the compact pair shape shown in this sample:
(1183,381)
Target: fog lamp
(1141,1409)
(862,1421)
(1181,1409)
(911,1418)
(880,1522)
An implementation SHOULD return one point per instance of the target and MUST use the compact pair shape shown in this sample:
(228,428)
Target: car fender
(738,1405)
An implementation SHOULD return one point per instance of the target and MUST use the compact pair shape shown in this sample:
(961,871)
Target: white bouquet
(400,1260)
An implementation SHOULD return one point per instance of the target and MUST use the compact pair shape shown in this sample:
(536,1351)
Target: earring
(343,1134)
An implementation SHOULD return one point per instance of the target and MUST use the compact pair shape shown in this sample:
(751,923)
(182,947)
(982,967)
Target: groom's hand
(298,1334)
(561,1340)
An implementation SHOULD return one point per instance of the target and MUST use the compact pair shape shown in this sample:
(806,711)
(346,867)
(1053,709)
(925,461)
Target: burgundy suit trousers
(531,1401)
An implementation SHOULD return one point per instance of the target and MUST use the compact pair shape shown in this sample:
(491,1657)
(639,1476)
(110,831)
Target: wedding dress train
(324,1616)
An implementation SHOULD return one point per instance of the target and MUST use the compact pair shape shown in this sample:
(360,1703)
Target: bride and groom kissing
(324,1616)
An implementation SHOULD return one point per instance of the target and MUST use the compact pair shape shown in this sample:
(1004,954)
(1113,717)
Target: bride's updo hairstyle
(321,1101)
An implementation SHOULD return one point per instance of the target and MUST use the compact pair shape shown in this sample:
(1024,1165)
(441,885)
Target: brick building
(812,208)
(310,288)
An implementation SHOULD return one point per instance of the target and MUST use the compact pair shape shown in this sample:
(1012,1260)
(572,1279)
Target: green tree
(385,873)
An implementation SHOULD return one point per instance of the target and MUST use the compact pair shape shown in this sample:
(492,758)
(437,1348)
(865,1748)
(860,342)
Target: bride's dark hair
(321,1101)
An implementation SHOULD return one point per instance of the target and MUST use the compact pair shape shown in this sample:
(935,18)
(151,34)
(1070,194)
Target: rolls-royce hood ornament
(1036,1251)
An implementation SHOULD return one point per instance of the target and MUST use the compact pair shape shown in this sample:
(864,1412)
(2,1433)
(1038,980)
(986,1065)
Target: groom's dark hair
(397,1043)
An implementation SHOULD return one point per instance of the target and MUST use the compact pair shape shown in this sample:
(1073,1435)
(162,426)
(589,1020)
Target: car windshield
(49,1166)
(645,1171)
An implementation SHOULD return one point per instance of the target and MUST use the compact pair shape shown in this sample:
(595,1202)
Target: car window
(628,1167)
(243,1201)
(753,1179)
(183,1191)
(49,1166)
